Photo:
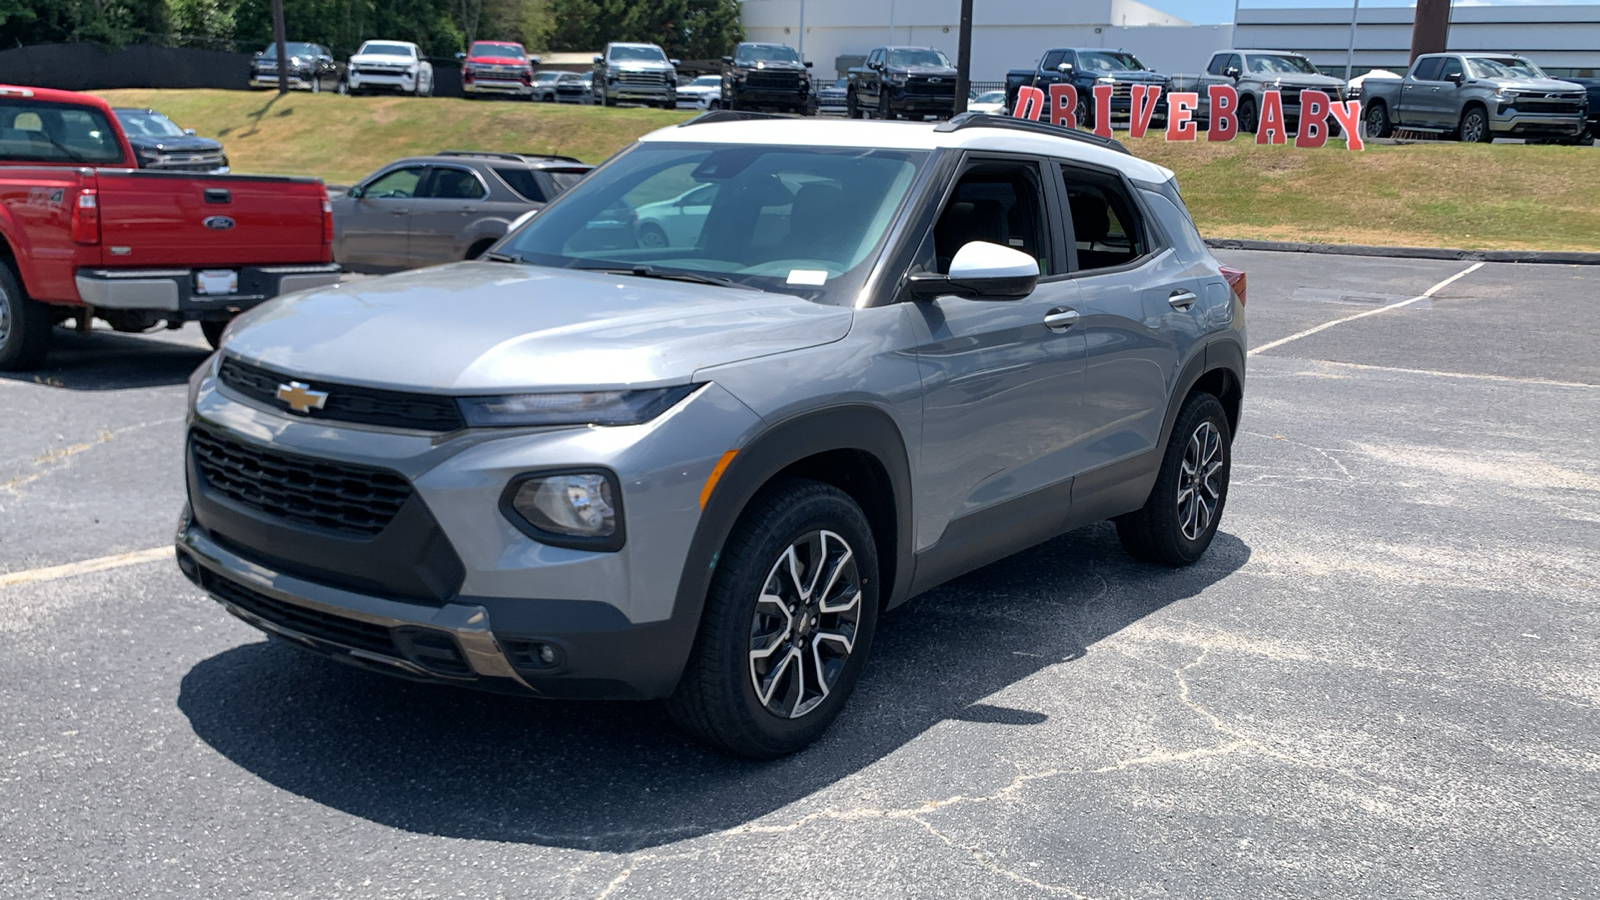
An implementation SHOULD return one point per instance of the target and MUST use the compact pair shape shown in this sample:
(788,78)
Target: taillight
(86,217)
(1236,281)
(327,219)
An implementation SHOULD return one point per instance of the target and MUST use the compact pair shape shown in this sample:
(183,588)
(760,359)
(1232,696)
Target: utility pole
(964,57)
(1430,30)
(802,47)
(1350,58)
(283,50)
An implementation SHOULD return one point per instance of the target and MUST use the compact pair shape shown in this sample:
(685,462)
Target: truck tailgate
(178,219)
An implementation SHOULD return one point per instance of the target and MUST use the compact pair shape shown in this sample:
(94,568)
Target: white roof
(817,132)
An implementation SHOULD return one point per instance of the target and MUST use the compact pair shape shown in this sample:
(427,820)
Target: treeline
(690,29)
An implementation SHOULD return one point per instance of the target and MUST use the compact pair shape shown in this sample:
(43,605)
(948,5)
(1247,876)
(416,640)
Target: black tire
(884,112)
(316,85)
(1475,126)
(25,326)
(852,106)
(651,236)
(1168,531)
(1378,123)
(1248,120)
(714,105)
(716,700)
(1084,113)
(342,88)
(478,249)
(213,329)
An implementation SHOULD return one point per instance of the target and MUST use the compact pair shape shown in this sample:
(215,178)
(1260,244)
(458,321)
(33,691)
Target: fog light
(571,509)
(547,654)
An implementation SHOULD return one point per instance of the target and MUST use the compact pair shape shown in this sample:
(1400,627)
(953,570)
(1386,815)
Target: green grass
(1501,196)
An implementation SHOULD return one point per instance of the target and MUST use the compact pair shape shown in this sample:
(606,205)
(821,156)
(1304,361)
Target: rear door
(1141,308)
(451,197)
(1419,93)
(181,219)
(374,229)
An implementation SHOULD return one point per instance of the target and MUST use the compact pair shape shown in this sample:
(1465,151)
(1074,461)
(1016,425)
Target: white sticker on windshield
(808,276)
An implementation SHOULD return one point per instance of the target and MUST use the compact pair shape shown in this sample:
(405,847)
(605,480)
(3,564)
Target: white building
(1012,34)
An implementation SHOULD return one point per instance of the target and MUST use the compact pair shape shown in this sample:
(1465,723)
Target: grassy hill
(1501,196)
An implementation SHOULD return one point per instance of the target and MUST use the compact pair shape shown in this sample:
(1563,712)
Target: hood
(635,65)
(187,143)
(479,327)
(1303,81)
(1549,85)
(1141,76)
(773,66)
(925,70)
(384,59)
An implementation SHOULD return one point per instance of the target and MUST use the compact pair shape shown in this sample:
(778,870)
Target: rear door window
(450,183)
(523,182)
(1052,59)
(1107,229)
(31,131)
(1427,69)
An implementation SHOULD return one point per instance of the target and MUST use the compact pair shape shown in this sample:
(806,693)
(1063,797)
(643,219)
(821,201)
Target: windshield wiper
(665,274)
(501,257)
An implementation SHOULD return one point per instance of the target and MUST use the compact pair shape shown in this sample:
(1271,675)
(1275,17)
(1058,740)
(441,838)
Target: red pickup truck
(85,233)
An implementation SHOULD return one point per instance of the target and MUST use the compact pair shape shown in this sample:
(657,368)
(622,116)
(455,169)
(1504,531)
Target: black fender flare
(1225,354)
(858,427)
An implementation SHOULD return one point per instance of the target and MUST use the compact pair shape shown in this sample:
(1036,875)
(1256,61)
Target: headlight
(897,78)
(1105,79)
(207,369)
(580,509)
(1506,94)
(591,408)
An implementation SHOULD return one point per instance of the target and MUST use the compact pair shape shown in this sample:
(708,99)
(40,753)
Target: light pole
(964,57)
(802,31)
(1350,58)
(1235,36)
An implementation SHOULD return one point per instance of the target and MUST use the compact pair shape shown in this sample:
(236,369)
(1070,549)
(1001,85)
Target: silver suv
(583,466)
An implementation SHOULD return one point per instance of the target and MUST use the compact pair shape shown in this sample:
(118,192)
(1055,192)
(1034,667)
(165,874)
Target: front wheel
(1248,120)
(787,624)
(343,88)
(1180,518)
(884,110)
(1378,124)
(852,106)
(1475,127)
(316,85)
(213,330)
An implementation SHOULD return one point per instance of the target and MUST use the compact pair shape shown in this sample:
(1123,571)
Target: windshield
(1276,64)
(917,56)
(751,53)
(548,76)
(1503,67)
(1109,62)
(992,97)
(707,81)
(483,48)
(637,54)
(294,49)
(801,220)
(144,123)
(382,48)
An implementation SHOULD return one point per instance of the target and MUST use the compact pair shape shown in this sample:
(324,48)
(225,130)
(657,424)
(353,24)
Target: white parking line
(51,573)
(1371,312)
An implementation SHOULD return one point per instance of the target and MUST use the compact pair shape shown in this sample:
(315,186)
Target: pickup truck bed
(82,233)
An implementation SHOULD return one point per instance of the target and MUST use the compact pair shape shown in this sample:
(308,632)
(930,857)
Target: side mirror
(461,56)
(982,271)
(675,62)
(727,60)
(1064,67)
(1454,78)
(1232,72)
(599,60)
(355,193)
(808,63)
(189,132)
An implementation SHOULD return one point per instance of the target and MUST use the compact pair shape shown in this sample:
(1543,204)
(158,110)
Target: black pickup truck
(903,81)
(767,77)
(1083,68)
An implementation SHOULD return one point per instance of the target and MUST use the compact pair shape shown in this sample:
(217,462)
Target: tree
(690,29)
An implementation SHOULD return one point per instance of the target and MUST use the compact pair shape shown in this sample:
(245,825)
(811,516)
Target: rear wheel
(1180,518)
(24,326)
(651,236)
(1378,124)
(479,248)
(787,624)
(213,332)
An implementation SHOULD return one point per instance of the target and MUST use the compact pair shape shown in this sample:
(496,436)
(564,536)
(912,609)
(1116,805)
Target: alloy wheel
(1199,488)
(804,625)
(5,315)
(1472,127)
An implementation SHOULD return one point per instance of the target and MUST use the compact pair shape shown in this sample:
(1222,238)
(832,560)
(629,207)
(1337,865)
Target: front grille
(641,78)
(312,623)
(506,73)
(380,70)
(349,499)
(1557,104)
(927,86)
(346,403)
(773,81)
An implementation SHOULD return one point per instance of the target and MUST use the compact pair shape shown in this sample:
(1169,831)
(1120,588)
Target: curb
(1543,257)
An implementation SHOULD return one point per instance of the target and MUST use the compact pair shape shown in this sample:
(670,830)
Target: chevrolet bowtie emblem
(300,397)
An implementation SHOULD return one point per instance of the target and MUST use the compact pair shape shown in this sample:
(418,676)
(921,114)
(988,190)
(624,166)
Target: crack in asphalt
(55,459)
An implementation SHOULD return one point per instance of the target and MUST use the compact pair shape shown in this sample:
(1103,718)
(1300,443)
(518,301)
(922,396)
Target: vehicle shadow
(619,777)
(107,361)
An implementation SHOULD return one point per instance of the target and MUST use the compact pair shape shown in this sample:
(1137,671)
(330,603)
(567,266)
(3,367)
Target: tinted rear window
(32,131)
(566,178)
(525,183)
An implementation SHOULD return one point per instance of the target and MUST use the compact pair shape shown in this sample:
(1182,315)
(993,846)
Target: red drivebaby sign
(1316,109)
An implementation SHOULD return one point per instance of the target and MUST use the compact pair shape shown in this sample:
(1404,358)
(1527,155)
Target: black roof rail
(729,115)
(514,157)
(989,120)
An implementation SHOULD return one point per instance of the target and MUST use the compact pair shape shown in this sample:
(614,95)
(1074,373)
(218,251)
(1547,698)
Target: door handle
(398,212)
(1060,319)
(1182,299)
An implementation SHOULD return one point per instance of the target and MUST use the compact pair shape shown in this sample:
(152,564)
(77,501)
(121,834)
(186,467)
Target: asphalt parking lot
(1383,680)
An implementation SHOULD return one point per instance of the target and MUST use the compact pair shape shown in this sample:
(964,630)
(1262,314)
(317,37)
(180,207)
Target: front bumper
(654,93)
(364,81)
(456,593)
(260,80)
(902,101)
(174,290)
(498,87)
(1534,123)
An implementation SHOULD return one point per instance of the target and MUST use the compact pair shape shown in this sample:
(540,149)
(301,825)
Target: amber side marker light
(715,476)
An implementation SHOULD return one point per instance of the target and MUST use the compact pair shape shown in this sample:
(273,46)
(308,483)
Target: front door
(374,227)
(450,199)
(1001,388)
